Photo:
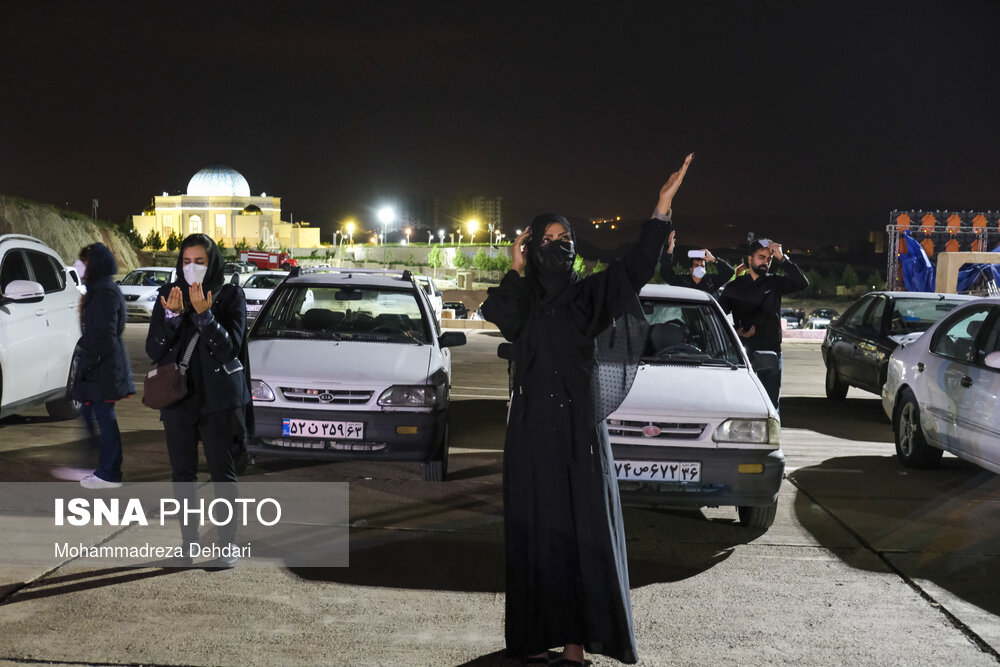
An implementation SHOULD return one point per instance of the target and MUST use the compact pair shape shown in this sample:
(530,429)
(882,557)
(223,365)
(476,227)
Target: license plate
(658,471)
(253,307)
(310,428)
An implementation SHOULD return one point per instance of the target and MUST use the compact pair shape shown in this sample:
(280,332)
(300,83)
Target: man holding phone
(754,299)
(699,278)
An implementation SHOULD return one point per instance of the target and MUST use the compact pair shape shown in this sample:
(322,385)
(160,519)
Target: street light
(387,216)
(441,236)
(430,237)
(407,231)
(472,225)
(350,230)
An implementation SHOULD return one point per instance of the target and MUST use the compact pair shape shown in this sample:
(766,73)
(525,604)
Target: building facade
(218,203)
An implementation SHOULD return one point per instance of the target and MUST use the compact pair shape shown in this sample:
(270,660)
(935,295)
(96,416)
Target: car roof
(152,268)
(358,277)
(922,295)
(674,292)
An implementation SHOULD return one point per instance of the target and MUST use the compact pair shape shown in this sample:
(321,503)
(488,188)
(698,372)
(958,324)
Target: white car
(942,389)
(258,288)
(351,364)
(39,327)
(434,295)
(140,287)
(697,427)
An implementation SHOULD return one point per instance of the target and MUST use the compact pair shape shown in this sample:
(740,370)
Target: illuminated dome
(218,181)
(252,209)
(149,210)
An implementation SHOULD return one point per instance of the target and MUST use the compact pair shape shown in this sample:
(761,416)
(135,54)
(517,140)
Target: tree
(481,261)
(153,240)
(460,261)
(173,241)
(241,245)
(849,278)
(435,258)
(578,265)
(500,263)
(874,281)
(135,238)
(221,244)
(261,245)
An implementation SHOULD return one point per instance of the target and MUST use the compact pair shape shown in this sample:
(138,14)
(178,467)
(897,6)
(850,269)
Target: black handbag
(167,384)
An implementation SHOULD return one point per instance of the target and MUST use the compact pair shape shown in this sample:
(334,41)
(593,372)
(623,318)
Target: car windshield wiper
(714,361)
(671,359)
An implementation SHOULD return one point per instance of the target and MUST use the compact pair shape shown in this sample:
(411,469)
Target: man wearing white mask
(699,278)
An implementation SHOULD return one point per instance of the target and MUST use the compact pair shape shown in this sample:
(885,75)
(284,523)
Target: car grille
(668,431)
(256,302)
(326,396)
(131,297)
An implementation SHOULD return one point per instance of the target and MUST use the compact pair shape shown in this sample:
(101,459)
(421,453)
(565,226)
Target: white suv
(39,327)
(351,364)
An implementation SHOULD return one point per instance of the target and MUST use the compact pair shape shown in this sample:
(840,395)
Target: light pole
(387,216)
(472,225)
(407,231)
(441,235)
(430,238)
(460,239)
(491,236)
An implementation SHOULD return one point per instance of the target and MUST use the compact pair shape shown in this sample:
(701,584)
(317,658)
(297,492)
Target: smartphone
(696,254)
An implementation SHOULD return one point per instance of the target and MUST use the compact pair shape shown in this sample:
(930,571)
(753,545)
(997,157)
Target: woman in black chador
(575,346)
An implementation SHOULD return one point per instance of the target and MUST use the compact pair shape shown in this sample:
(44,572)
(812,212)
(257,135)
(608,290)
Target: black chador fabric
(567,577)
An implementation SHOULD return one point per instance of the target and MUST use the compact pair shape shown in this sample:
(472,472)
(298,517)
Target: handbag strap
(187,353)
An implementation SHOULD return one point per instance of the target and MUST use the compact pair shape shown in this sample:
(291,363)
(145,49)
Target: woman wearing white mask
(215,409)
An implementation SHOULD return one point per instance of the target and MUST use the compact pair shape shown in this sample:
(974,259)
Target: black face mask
(556,258)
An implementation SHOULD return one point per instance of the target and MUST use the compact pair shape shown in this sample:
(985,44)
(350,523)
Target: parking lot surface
(866,563)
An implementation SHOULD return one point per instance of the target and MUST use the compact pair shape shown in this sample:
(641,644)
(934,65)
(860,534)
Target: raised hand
(669,188)
(199,301)
(174,301)
(518,258)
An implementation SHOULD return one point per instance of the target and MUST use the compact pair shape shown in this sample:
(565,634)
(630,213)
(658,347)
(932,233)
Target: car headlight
(152,297)
(749,431)
(259,391)
(409,396)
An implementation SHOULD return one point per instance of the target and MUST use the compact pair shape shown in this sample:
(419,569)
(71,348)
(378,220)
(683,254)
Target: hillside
(64,232)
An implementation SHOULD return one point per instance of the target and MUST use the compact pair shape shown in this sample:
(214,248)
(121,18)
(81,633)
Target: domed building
(218,203)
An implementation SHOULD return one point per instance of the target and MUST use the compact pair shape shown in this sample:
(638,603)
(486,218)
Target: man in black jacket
(699,278)
(754,299)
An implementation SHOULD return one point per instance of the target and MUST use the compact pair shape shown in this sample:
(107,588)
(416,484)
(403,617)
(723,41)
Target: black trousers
(184,427)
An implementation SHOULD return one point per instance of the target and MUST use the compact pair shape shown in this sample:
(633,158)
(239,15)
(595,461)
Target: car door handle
(920,367)
(41,311)
(966,381)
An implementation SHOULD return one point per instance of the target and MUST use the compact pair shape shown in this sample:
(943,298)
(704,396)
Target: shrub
(242,245)
(134,238)
(153,240)
(500,263)
(849,278)
(460,261)
(435,258)
(481,261)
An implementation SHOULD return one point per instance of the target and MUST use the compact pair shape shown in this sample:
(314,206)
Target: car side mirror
(763,360)
(23,291)
(992,360)
(452,339)
(505,351)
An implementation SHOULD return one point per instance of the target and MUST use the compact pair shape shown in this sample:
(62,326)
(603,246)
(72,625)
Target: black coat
(757,303)
(710,282)
(567,576)
(216,379)
(103,372)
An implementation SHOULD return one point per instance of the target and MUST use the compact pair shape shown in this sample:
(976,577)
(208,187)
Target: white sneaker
(70,474)
(95,482)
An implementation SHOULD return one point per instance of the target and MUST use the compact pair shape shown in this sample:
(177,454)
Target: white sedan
(943,389)
(258,288)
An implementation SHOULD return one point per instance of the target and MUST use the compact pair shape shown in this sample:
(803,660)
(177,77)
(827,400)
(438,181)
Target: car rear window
(146,278)
(343,313)
(914,315)
(687,332)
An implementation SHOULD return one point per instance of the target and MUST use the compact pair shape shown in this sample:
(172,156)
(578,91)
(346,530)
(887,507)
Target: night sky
(824,111)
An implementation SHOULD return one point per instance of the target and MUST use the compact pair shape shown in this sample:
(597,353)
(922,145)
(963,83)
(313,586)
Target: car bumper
(136,310)
(383,439)
(721,481)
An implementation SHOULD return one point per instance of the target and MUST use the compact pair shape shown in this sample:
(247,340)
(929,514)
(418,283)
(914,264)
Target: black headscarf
(549,268)
(214,278)
(101,263)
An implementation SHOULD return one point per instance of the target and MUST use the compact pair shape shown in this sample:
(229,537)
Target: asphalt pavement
(867,563)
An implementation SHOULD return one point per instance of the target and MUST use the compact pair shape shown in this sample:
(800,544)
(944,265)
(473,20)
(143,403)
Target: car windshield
(330,312)
(147,278)
(686,332)
(916,315)
(263,282)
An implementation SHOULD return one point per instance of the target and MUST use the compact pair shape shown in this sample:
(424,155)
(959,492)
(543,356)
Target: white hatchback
(697,427)
(39,327)
(140,287)
(351,364)
(943,389)
(257,288)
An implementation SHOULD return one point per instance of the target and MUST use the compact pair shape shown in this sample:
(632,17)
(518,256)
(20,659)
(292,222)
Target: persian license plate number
(253,307)
(658,471)
(311,428)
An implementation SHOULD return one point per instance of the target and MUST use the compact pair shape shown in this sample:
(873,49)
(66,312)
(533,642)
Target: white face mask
(194,273)
(699,272)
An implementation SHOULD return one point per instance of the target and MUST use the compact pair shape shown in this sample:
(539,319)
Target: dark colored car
(858,344)
(793,318)
(461,312)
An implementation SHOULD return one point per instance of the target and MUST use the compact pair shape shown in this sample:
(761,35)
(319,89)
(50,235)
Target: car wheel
(911,446)
(436,470)
(66,407)
(836,389)
(757,516)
